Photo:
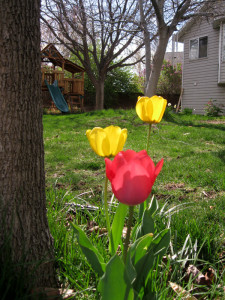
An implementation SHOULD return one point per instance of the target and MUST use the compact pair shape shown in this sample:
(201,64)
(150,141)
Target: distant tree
(169,14)
(25,240)
(147,29)
(120,81)
(102,31)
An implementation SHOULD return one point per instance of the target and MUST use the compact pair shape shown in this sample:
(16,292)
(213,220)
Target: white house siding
(200,76)
(222,72)
(221,75)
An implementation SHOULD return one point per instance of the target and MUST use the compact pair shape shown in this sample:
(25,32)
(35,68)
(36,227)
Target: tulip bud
(151,110)
(107,142)
(132,175)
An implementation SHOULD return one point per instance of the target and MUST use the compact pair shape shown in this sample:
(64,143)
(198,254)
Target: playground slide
(57,96)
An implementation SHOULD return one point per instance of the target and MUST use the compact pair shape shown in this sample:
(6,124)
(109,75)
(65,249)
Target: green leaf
(139,248)
(117,227)
(136,251)
(91,253)
(115,283)
(161,242)
(147,225)
(150,295)
(142,208)
(155,251)
(153,207)
(143,267)
(131,272)
(150,290)
(135,230)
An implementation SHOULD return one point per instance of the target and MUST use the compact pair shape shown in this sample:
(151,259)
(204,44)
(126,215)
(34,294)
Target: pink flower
(132,175)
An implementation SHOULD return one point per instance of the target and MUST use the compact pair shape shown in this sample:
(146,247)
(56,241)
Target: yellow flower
(107,142)
(151,110)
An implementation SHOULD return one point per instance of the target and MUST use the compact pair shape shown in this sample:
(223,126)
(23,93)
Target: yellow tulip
(107,142)
(151,110)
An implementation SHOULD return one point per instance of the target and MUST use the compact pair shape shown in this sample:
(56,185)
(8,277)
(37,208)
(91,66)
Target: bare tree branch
(99,32)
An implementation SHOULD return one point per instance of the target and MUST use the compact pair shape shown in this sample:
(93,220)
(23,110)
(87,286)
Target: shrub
(187,111)
(211,109)
(169,111)
(119,80)
(170,79)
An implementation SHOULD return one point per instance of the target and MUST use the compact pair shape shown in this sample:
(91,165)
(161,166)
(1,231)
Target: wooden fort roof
(50,53)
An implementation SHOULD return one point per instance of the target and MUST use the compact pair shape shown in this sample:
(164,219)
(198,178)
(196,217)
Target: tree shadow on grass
(201,123)
(221,155)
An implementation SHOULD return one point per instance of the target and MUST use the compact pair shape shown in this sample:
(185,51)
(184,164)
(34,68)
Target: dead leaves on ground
(181,292)
(199,283)
(198,277)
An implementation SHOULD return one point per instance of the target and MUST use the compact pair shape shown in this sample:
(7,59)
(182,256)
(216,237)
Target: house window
(223,53)
(198,47)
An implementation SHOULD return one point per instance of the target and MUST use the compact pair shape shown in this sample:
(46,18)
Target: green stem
(148,140)
(127,239)
(106,206)
(143,205)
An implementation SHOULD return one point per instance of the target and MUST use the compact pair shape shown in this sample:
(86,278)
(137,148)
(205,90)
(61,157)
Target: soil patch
(174,186)
(214,122)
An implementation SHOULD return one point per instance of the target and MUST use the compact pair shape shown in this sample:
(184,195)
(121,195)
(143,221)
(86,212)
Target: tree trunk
(147,43)
(157,62)
(99,87)
(23,220)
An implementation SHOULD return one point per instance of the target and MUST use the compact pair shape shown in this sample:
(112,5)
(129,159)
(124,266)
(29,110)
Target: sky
(177,47)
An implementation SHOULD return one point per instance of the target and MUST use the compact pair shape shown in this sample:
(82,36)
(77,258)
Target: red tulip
(132,175)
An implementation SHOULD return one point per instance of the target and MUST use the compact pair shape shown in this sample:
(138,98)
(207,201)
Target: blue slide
(57,96)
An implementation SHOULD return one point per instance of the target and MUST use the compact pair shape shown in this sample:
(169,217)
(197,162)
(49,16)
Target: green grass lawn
(192,179)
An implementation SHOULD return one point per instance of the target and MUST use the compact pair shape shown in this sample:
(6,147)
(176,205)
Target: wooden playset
(66,75)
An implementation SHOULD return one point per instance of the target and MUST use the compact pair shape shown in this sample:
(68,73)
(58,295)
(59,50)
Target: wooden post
(179,101)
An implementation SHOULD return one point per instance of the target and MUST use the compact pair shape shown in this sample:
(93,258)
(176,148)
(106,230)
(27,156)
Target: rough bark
(23,220)
(157,63)
(147,43)
(99,94)
(167,17)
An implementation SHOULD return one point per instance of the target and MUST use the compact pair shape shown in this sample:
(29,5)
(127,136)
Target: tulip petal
(157,170)
(132,176)
(91,140)
(159,105)
(158,167)
(118,161)
(151,110)
(102,143)
(148,164)
(121,141)
(131,184)
(129,155)
(144,109)
(141,155)
(145,160)
(117,138)
(99,141)
(108,169)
